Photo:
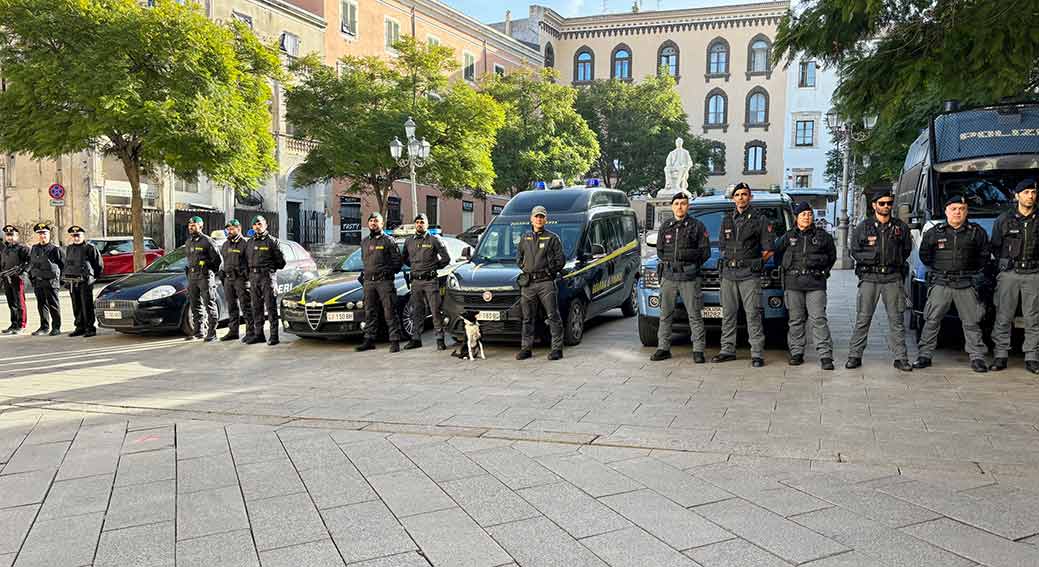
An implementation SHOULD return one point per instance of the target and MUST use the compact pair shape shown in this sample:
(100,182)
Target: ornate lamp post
(417,156)
(847,133)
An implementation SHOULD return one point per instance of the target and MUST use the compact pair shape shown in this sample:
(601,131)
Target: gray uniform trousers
(894,296)
(202,299)
(968,307)
(808,306)
(1015,289)
(748,294)
(692,297)
(541,294)
(380,298)
(423,292)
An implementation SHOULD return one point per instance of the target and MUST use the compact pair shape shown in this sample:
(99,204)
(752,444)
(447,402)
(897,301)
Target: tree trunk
(133,174)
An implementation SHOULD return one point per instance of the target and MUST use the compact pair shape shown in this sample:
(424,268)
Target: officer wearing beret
(203,263)
(539,255)
(46,262)
(956,253)
(881,246)
(14,263)
(234,274)
(83,264)
(1015,244)
(426,255)
(265,258)
(382,261)
(683,245)
(808,255)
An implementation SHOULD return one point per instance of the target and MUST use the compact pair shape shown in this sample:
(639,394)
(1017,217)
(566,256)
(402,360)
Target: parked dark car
(471,235)
(117,252)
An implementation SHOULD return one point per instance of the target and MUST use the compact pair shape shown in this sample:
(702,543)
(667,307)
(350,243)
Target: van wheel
(648,328)
(573,327)
(630,307)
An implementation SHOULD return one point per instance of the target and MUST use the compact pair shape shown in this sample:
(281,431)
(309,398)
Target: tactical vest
(77,263)
(1021,239)
(235,262)
(40,265)
(11,255)
(741,241)
(957,250)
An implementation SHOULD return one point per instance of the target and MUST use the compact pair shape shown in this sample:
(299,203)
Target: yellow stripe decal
(626,248)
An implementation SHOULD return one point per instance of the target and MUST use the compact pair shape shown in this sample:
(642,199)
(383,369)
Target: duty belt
(880,269)
(956,273)
(538,277)
(378,277)
(818,273)
(260,270)
(425,276)
(1021,265)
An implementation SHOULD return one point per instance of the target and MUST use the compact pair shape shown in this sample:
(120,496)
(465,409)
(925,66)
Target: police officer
(808,255)
(956,252)
(1015,243)
(234,274)
(539,255)
(14,263)
(265,258)
(880,247)
(426,254)
(683,245)
(83,264)
(382,261)
(746,243)
(46,262)
(202,266)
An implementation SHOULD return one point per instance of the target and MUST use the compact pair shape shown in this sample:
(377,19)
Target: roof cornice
(477,29)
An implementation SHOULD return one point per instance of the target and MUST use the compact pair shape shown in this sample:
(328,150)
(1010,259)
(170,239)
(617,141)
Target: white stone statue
(676,170)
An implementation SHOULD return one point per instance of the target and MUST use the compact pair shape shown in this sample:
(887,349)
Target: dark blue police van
(600,237)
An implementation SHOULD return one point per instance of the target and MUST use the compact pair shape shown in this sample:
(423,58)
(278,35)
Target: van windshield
(498,243)
(987,195)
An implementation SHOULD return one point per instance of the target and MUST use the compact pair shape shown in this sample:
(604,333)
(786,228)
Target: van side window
(616,234)
(598,234)
(630,226)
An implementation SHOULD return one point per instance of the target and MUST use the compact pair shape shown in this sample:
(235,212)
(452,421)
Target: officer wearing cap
(683,245)
(956,253)
(203,263)
(83,264)
(426,255)
(14,263)
(540,256)
(382,261)
(808,254)
(46,262)
(265,258)
(1015,244)
(746,243)
(880,246)
(234,274)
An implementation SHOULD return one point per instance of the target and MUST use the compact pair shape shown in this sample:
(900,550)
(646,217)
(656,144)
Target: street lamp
(417,156)
(846,134)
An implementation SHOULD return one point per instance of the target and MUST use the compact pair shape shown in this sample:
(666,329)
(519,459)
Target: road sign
(57,192)
(57,202)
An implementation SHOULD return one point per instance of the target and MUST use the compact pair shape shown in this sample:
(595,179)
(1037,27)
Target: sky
(490,12)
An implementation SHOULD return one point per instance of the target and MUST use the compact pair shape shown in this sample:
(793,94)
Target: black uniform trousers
(46,292)
(83,306)
(239,304)
(264,297)
(380,298)
(202,298)
(14,291)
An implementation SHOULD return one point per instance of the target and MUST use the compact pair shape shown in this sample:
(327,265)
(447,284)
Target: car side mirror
(904,210)
(598,250)
(467,253)
(651,239)
(915,223)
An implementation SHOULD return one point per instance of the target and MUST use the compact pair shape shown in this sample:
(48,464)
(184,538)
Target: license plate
(711,312)
(339,317)
(488,315)
(113,314)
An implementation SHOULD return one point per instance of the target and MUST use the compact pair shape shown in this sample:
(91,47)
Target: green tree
(153,87)
(544,138)
(352,115)
(637,124)
(900,59)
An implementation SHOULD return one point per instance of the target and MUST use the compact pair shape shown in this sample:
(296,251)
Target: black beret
(10,228)
(881,195)
(1025,184)
(679,195)
(740,185)
(802,207)
(958,200)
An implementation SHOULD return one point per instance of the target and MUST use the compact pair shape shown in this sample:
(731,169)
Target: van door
(606,282)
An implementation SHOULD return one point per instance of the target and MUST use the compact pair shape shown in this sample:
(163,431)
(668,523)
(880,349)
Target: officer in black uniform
(202,267)
(880,246)
(808,255)
(540,256)
(14,263)
(265,258)
(426,254)
(957,253)
(83,264)
(683,245)
(234,274)
(746,243)
(1015,244)
(382,261)
(46,262)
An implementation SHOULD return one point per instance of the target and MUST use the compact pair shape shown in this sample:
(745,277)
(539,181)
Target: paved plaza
(138,452)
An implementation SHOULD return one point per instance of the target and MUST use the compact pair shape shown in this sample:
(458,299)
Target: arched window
(754,155)
(757,107)
(584,65)
(716,110)
(758,56)
(716,159)
(620,67)
(667,58)
(550,56)
(718,58)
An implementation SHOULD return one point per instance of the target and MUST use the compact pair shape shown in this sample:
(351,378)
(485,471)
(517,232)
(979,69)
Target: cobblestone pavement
(124,451)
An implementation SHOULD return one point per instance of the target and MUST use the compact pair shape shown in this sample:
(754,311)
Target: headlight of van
(453,283)
(650,278)
(160,292)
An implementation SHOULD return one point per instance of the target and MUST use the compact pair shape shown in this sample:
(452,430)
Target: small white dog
(472,347)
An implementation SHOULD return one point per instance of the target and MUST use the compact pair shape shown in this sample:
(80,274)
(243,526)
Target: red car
(117,252)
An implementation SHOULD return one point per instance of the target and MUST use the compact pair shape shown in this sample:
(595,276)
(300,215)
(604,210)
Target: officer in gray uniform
(540,256)
(234,274)
(46,262)
(426,255)
(83,264)
(203,263)
(746,243)
(683,245)
(265,258)
(956,253)
(1015,244)
(808,255)
(880,246)
(382,261)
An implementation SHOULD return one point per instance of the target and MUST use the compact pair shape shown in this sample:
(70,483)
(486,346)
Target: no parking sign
(57,195)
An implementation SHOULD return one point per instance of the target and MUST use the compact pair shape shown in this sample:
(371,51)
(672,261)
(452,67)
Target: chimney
(508,22)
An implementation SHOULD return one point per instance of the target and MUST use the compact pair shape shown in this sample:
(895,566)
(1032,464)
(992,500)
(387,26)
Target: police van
(980,154)
(600,238)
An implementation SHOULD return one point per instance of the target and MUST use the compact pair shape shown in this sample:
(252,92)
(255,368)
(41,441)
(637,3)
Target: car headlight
(453,283)
(159,292)
(360,305)
(350,305)
(650,278)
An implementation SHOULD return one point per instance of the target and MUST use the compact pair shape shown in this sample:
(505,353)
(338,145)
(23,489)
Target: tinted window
(712,219)
(987,196)
(353,262)
(173,262)
(616,234)
(498,243)
(630,227)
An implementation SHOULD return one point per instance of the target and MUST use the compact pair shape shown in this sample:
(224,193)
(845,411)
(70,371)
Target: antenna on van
(951,105)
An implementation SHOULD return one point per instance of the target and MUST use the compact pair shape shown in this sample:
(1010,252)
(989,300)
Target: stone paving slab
(450,538)
(972,543)
(538,541)
(632,547)
(574,511)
